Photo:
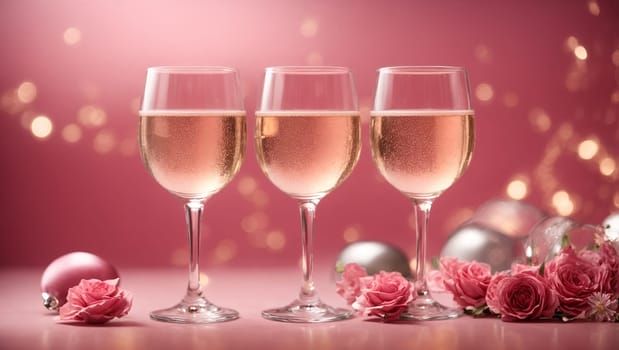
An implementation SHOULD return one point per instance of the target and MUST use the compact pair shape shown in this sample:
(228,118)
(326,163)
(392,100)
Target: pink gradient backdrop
(535,100)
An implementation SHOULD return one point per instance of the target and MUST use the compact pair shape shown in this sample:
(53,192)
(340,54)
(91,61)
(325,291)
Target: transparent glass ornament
(552,234)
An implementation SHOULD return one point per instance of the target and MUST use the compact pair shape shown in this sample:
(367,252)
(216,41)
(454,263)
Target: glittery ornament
(67,271)
(374,257)
(477,242)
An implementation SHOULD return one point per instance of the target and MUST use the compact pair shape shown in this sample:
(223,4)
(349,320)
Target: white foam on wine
(192,113)
(308,113)
(421,112)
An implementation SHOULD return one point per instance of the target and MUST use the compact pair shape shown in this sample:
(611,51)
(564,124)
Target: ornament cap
(49,301)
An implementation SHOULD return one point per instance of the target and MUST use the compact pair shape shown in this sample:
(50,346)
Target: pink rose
(521,296)
(449,266)
(590,256)
(574,278)
(492,293)
(96,301)
(385,295)
(349,286)
(609,260)
(467,281)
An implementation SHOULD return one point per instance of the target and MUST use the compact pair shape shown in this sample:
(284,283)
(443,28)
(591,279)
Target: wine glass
(422,136)
(307,142)
(192,134)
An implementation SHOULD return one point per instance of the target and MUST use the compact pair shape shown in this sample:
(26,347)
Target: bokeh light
(580,52)
(352,234)
(72,36)
(309,27)
(608,166)
(71,133)
(255,222)
(104,142)
(247,185)
(571,42)
(594,8)
(275,240)
(615,57)
(26,92)
(91,116)
(41,126)
(562,203)
(484,92)
(517,189)
(587,149)
(204,279)
(540,120)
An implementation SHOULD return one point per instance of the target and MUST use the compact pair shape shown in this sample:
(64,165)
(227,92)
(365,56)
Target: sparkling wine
(307,154)
(422,152)
(192,154)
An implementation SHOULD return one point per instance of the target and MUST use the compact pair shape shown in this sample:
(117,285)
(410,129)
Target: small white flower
(603,307)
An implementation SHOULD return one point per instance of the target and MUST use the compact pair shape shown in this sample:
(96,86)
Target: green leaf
(435,261)
(565,241)
(339,267)
(542,268)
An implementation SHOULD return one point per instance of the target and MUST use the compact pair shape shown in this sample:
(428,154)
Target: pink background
(546,116)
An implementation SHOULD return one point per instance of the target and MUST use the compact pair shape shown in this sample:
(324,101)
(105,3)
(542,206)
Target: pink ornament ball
(67,271)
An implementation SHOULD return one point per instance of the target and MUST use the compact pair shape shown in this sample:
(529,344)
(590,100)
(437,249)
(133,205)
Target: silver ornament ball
(375,256)
(473,241)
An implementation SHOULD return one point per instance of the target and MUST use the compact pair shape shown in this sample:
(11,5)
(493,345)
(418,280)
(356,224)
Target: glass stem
(307,295)
(193,210)
(422,216)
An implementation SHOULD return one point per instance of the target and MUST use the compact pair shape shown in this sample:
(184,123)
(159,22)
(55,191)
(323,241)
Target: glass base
(198,310)
(427,309)
(307,313)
